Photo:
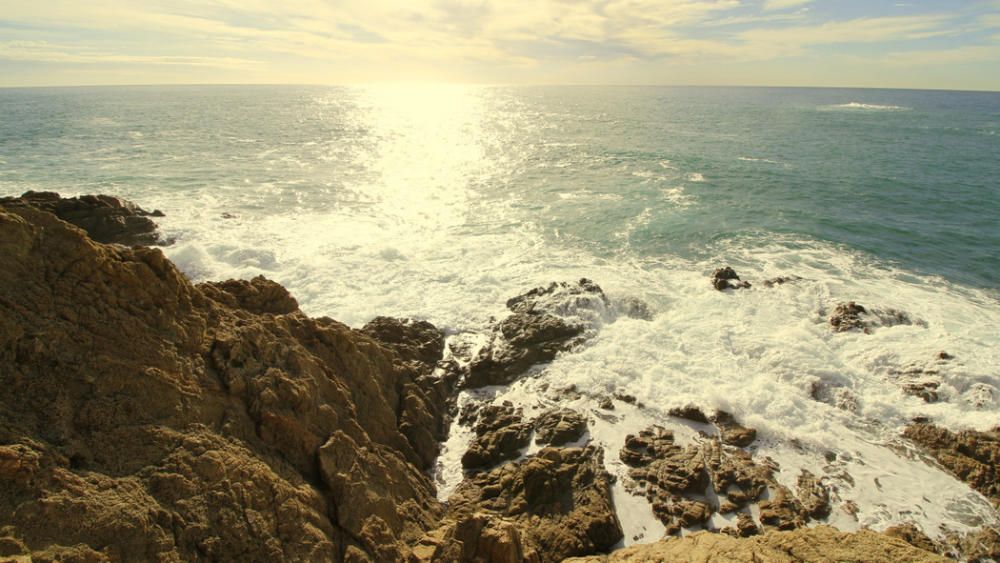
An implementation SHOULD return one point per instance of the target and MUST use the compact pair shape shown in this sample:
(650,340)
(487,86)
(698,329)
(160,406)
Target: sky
(946,44)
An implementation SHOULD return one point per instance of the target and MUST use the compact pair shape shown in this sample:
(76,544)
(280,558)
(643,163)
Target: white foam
(868,107)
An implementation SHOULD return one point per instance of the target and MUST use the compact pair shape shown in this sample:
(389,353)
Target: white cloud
(784,4)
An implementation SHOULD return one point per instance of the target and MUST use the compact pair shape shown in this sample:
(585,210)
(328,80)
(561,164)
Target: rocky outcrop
(146,418)
(106,219)
(559,500)
(559,426)
(972,456)
(676,480)
(727,278)
(821,544)
(501,432)
(851,316)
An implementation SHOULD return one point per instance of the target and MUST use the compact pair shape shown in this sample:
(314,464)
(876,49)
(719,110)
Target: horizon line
(483,84)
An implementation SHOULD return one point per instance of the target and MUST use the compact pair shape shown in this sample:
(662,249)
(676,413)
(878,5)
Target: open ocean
(440,202)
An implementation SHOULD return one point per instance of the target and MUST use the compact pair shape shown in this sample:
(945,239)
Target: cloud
(41,51)
(784,4)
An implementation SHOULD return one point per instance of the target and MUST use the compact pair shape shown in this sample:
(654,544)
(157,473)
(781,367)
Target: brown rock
(821,544)
(560,500)
(972,456)
(500,434)
(726,278)
(913,536)
(689,412)
(814,496)
(733,433)
(144,418)
(559,426)
(519,342)
(106,219)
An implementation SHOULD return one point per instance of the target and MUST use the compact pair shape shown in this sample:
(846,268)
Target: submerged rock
(852,316)
(781,280)
(726,278)
(106,219)
(563,299)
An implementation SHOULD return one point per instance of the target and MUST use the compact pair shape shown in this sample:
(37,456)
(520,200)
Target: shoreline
(345,423)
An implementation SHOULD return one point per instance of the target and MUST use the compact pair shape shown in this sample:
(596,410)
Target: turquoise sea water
(440,202)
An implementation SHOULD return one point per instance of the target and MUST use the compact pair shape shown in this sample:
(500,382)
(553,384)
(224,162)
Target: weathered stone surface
(561,298)
(847,316)
(559,426)
(689,412)
(560,500)
(726,278)
(814,496)
(972,456)
(106,219)
(500,434)
(144,418)
(821,544)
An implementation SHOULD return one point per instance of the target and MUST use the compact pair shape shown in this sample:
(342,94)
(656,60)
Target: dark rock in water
(606,403)
(560,298)
(781,280)
(560,499)
(559,426)
(519,342)
(851,316)
(733,433)
(106,219)
(942,355)
(726,278)
(634,308)
(972,456)
(814,495)
(417,341)
(689,412)
(258,296)
(847,316)
(500,434)
(926,390)
(782,511)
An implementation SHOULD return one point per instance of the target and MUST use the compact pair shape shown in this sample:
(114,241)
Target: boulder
(558,426)
(726,278)
(852,316)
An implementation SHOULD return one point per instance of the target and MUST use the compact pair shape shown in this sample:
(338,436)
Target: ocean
(440,202)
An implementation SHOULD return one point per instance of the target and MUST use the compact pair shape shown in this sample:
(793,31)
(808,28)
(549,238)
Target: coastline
(242,428)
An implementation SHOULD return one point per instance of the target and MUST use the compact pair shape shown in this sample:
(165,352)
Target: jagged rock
(500,434)
(972,456)
(781,280)
(726,278)
(145,418)
(814,496)
(926,390)
(477,537)
(258,296)
(852,316)
(560,499)
(689,412)
(559,426)
(783,511)
(106,219)
(415,341)
(733,433)
(519,342)
(821,544)
(913,536)
(561,298)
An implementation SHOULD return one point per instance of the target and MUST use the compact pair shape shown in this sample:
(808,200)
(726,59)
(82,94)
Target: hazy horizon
(915,44)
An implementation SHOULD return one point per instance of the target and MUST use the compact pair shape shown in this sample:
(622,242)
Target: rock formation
(972,456)
(726,278)
(106,219)
(852,316)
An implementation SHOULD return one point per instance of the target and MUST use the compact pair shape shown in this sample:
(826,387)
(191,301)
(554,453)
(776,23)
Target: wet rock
(781,280)
(733,433)
(258,296)
(606,403)
(501,433)
(814,496)
(519,342)
(634,308)
(106,219)
(726,278)
(689,412)
(560,499)
(852,316)
(926,390)
(783,511)
(559,426)
(563,299)
(972,456)
(942,355)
